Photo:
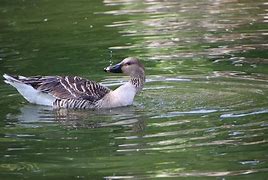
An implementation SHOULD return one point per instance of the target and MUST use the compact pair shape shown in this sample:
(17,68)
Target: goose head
(130,66)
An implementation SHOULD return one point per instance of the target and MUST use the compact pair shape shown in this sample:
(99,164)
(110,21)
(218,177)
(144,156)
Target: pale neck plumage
(124,94)
(138,81)
(137,78)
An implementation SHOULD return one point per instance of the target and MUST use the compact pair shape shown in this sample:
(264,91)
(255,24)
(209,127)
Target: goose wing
(67,87)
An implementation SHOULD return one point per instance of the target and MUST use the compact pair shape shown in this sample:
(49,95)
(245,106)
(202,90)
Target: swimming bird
(78,93)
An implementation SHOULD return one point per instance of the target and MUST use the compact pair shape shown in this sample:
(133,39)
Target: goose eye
(128,63)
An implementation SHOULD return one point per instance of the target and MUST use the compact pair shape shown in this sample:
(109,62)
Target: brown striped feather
(68,87)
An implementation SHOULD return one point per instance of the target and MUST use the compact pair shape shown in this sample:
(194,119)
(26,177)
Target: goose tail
(9,79)
(28,92)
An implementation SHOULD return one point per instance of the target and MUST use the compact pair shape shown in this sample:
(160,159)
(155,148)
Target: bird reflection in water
(35,116)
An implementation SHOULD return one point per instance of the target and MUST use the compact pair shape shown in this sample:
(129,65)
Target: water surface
(202,113)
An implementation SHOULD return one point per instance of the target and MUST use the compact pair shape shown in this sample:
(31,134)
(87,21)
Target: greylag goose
(79,93)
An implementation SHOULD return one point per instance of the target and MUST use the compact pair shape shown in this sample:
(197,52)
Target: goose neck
(137,82)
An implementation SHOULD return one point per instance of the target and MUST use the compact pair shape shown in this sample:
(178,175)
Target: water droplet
(111,57)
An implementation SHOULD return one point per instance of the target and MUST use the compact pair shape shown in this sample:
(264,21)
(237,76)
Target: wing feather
(68,87)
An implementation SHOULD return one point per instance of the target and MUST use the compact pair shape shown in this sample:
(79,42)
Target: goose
(74,92)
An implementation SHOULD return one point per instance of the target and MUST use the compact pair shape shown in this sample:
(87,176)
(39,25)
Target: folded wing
(67,87)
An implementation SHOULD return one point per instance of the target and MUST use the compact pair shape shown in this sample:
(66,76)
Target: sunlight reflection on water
(203,109)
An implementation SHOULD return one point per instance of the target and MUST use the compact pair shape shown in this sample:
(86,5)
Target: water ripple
(175,114)
(235,115)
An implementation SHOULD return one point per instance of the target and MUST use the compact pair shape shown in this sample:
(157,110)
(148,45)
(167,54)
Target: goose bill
(114,69)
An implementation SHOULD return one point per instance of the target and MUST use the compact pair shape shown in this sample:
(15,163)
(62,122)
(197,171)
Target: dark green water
(203,112)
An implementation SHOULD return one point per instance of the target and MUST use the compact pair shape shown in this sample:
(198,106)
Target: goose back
(67,87)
